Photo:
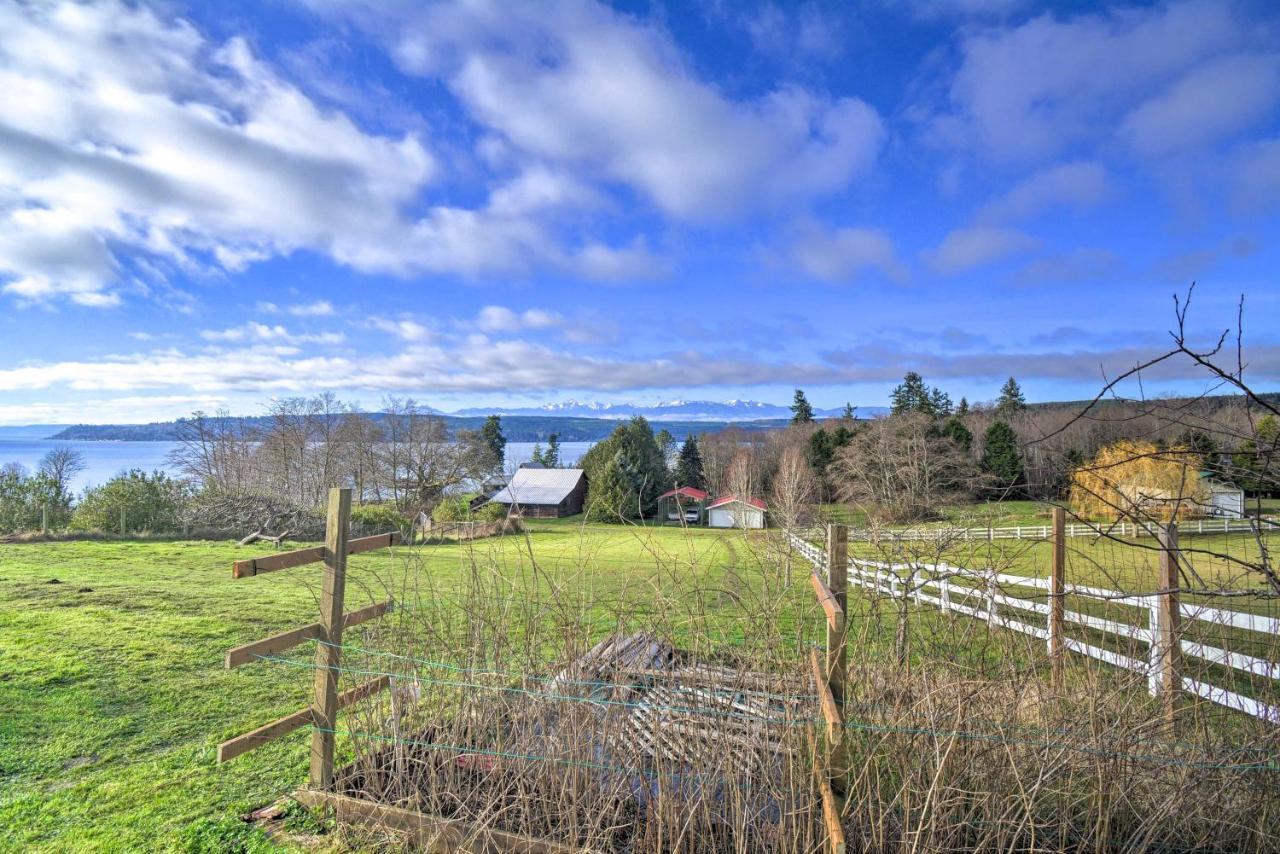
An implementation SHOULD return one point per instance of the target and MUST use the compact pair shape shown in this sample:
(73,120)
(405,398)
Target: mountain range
(668,410)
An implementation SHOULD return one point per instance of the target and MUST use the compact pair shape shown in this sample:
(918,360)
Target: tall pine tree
(1011,401)
(551,456)
(491,435)
(801,411)
(1002,460)
(689,465)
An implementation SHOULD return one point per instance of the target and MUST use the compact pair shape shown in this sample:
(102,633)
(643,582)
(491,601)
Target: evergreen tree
(491,436)
(551,456)
(689,465)
(801,411)
(1011,401)
(1001,458)
(609,496)
(849,410)
(536,456)
(939,402)
(634,451)
(911,395)
(963,409)
(955,430)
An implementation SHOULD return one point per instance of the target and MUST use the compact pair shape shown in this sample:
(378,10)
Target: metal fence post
(324,710)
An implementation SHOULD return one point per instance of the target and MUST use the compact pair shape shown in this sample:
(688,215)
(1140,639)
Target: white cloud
(591,89)
(132,148)
(1078,184)
(122,131)
(842,254)
(496,318)
(966,248)
(319,308)
(1213,101)
(262,333)
(406,329)
(1033,90)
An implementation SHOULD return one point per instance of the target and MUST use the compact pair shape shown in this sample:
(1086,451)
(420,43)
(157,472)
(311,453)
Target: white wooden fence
(1073,529)
(950,588)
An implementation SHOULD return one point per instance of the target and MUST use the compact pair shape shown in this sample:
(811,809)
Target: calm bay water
(104,460)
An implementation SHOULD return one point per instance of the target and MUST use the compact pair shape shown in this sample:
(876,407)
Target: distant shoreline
(517,428)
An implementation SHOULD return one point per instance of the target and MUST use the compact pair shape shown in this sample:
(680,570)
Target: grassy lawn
(996,514)
(114,696)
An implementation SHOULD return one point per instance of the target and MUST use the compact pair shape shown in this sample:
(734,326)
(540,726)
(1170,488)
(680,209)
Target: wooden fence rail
(323,712)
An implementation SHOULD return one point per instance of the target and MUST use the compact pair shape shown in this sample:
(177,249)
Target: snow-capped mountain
(665,410)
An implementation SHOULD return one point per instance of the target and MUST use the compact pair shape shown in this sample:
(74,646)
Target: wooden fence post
(1057,597)
(122,520)
(1168,642)
(44,519)
(324,710)
(837,651)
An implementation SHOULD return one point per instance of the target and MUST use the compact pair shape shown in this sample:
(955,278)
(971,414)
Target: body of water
(105,460)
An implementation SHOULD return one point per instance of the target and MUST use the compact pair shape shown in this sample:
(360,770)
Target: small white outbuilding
(730,511)
(1225,501)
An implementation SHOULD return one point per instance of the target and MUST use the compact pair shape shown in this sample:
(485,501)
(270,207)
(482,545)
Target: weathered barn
(730,511)
(544,493)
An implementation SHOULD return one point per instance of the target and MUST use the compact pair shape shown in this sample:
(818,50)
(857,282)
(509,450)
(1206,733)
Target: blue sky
(476,203)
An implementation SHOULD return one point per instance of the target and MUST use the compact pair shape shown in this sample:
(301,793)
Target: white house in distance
(730,511)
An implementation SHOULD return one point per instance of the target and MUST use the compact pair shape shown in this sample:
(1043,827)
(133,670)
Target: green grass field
(114,698)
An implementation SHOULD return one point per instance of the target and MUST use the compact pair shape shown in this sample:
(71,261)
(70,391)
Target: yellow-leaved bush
(1136,479)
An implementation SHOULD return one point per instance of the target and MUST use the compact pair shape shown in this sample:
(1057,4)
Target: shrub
(150,502)
(490,512)
(23,499)
(377,519)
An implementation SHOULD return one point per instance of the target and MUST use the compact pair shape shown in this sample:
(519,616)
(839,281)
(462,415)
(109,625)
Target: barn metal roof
(531,486)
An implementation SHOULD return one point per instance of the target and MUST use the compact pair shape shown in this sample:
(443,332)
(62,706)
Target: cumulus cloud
(842,254)
(966,248)
(133,148)
(1078,184)
(122,130)
(593,90)
(262,333)
(404,328)
(496,318)
(1033,90)
(319,308)
(1214,101)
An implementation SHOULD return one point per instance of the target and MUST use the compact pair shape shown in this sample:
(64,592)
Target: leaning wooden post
(1057,597)
(324,710)
(1168,621)
(837,651)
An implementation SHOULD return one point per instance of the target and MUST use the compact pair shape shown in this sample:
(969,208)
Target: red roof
(729,499)
(684,492)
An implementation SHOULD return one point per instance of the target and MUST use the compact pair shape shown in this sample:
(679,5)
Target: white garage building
(730,511)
